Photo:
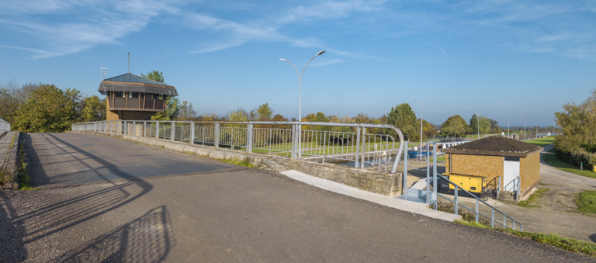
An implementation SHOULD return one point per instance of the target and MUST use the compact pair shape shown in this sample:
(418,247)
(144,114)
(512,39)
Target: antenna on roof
(104,71)
(128,62)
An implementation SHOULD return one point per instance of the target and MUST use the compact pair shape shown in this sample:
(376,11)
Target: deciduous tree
(454,126)
(403,117)
(173,104)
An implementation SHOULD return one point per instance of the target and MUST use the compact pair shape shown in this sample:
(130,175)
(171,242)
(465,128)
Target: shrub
(569,149)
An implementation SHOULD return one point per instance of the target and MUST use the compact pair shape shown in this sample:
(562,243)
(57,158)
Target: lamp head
(283,60)
(321,52)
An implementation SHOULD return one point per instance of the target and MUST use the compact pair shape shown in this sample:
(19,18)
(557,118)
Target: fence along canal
(356,144)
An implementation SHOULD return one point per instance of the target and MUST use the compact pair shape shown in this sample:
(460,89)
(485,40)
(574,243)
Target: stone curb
(10,164)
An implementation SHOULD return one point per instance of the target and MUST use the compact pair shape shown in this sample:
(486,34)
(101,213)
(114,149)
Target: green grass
(440,158)
(542,141)
(238,162)
(586,202)
(532,198)
(24,178)
(555,240)
(551,159)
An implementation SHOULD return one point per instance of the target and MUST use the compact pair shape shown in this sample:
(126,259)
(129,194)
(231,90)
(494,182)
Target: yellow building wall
(480,165)
(529,171)
(492,167)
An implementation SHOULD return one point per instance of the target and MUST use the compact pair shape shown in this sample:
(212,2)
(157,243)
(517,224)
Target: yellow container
(470,183)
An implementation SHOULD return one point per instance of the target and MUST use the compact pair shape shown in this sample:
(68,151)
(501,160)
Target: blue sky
(521,58)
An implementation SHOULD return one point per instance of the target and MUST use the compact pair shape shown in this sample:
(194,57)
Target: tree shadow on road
(34,215)
(11,232)
(145,239)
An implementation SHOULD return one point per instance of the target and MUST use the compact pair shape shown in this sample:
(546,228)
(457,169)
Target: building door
(511,174)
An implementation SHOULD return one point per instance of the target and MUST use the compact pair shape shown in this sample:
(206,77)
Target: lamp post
(421,107)
(507,124)
(478,120)
(300,97)
(524,125)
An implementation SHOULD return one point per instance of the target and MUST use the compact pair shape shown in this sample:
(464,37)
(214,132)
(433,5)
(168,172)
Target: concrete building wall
(529,172)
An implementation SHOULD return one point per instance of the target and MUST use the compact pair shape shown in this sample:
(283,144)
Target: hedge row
(569,149)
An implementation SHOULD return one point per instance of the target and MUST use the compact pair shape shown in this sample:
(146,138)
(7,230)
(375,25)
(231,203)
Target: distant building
(516,164)
(131,97)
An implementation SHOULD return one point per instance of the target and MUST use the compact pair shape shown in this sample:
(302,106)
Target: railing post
(144,129)
(249,138)
(173,132)
(134,128)
(192,133)
(427,173)
(435,189)
(492,218)
(477,212)
(504,221)
(157,130)
(203,134)
(294,138)
(363,147)
(300,142)
(513,224)
(455,199)
(404,180)
(216,135)
(356,163)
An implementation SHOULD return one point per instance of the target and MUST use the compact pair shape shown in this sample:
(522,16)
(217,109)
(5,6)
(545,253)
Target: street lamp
(478,120)
(507,124)
(421,107)
(524,125)
(300,97)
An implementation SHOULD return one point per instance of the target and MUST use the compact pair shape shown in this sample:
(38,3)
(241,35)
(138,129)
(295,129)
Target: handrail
(457,188)
(4,125)
(296,123)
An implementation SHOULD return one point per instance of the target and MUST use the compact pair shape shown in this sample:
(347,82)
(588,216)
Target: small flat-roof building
(515,163)
(131,97)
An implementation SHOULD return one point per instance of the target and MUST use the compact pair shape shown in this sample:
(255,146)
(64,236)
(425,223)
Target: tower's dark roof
(495,145)
(133,83)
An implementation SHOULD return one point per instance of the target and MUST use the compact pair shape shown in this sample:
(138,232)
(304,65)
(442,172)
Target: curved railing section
(345,143)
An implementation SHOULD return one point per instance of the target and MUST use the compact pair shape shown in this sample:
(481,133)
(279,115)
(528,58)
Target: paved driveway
(191,209)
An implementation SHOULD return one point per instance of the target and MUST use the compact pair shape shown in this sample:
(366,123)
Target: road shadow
(11,233)
(45,213)
(593,238)
(148,238)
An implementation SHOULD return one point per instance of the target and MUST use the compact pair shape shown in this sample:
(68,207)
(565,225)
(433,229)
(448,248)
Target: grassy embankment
(586,202)
(555,240)
(469,219)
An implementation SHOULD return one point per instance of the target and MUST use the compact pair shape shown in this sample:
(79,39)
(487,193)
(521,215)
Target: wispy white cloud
(71,31)
(268,29)
(327,62)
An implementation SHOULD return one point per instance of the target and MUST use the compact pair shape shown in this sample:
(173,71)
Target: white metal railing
(351,146)
(4,126)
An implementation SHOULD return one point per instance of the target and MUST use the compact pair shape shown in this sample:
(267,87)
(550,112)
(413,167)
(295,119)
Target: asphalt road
(110,200)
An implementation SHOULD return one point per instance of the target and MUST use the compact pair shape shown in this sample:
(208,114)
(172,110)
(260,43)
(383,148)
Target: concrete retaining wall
(9,160)
(368,180)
